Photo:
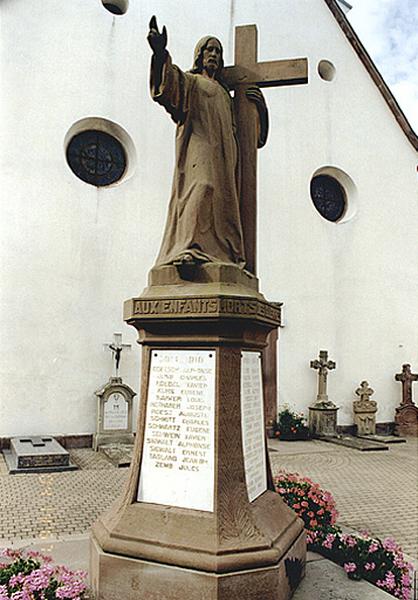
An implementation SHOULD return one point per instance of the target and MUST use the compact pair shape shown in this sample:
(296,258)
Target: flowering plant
(312,504)
(363,557)
(31,576)
(291,426)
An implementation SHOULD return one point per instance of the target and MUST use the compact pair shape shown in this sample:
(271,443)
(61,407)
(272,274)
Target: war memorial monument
(199,518)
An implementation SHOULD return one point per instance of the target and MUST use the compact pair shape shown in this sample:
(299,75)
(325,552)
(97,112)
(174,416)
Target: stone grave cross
(364,391)
(117,347)
(323,365)
(246,72)
(407,378)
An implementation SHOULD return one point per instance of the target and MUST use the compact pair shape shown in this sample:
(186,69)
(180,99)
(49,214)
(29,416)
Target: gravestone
(406,417)
(114,414)
(199,517)
(323,413)
(37,454)
(365,410)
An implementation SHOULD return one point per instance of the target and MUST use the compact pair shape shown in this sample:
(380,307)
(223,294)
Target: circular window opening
(326,70)
(116,7)
(96,157)
(329,197)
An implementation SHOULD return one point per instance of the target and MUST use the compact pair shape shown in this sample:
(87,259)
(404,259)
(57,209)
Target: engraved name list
(178,457)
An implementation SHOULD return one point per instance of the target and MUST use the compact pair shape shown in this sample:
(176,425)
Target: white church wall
(345,286)
(73,252)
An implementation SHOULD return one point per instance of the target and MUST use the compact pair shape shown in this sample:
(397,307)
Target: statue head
(199,54)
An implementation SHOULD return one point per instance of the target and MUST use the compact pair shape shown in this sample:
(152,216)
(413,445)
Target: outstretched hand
(157,40)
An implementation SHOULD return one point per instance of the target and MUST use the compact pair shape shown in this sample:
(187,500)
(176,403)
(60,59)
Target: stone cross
(117,347)
(407,378)
(323,365)
(248,71)
(364,391)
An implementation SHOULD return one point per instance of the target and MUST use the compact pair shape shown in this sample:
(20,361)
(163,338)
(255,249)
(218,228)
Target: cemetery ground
(374,491)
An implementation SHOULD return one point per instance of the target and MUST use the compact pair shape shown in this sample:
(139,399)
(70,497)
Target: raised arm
(158,43)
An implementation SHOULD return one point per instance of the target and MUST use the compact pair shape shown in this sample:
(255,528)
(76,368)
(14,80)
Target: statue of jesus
(203,222)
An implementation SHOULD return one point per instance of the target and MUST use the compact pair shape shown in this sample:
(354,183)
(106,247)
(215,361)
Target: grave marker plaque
(252,423)
(178,456)
(114,414)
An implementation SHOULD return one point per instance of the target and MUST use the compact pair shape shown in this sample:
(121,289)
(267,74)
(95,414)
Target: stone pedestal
(322,419)
(406,420)
(230,547)
(365,416)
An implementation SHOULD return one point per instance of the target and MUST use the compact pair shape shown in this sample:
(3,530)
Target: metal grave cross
(364,391)
(323,365)
(117,347)
(247,71)
(407,378)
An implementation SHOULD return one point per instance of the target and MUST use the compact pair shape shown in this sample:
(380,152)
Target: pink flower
(3,593)
(390,580)
(370,566)
(390,544)
(350,567)
(374,546)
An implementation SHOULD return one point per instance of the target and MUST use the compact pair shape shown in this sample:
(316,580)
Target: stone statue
(203,223)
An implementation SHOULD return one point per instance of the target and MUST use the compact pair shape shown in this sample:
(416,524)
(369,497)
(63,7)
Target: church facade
(337,202)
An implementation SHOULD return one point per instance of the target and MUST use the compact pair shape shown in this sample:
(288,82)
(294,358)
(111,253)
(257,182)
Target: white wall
(72,253)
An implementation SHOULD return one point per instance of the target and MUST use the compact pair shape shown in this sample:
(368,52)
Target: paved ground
(377,491)
(374,491)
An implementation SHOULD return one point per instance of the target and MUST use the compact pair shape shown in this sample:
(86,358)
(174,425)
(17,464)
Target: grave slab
(119,455)
(37,454)
(358,443)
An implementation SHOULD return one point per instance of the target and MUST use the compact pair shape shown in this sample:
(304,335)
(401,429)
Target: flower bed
(29,575)
(290,426)
(362,556)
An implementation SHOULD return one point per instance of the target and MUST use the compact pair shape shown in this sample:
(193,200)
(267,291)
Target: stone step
(383,439)
(324,580)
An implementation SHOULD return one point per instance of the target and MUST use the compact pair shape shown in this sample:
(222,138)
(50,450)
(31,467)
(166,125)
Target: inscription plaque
(252,423)
(115,414)
(178,455)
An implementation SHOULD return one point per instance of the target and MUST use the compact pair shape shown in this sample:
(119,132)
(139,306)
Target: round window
(96,157)
(329,197)
(117,7)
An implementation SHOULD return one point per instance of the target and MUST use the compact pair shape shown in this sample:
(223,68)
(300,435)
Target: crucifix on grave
(246,72)
(117,348)
(364,391)
(322,365)
(406,416)
(323,413)
(406,378)
(365,410)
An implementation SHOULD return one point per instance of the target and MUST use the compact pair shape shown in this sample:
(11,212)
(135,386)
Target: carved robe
(203,215)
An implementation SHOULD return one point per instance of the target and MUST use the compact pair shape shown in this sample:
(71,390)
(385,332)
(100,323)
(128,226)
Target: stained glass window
(96,157)
(329,197)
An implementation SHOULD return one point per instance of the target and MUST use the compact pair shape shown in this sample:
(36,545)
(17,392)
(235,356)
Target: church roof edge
(374,73)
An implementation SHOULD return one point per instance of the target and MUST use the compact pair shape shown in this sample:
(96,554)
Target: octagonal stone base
(136,579)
